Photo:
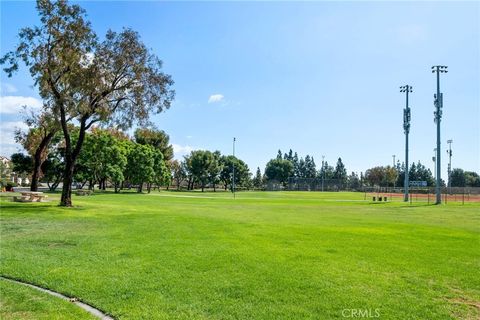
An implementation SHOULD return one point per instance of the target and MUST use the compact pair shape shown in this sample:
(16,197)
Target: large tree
(257,180)
(157,139)
(179,172)
(117,80)
(279,170)
(104,158)
(199,164)
(242,173)
(141,165)
(42,132)
(22,164)
(472,179)
(340,173)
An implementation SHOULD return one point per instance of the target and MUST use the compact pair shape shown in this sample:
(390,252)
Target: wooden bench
(30,196)
(82,192)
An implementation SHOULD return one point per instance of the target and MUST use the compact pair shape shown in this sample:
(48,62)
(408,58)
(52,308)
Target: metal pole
(233,169)
(438,116)
(449,151)
(406,126)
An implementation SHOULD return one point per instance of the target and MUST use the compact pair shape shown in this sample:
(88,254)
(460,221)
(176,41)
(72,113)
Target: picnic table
(30,196)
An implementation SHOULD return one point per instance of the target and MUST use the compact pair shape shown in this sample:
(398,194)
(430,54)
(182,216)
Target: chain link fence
(416,194)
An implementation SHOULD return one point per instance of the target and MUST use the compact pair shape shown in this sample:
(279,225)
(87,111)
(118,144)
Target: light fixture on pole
(438,102)
(406,128)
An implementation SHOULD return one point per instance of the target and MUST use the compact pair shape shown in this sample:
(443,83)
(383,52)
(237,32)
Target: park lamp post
(406,128)
(438,102)
(233,169)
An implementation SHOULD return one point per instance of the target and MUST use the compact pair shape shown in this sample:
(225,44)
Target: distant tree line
(108,157)
(290,165)
(460,178)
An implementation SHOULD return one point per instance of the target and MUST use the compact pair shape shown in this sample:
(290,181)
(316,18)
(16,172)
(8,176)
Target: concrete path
(97,313)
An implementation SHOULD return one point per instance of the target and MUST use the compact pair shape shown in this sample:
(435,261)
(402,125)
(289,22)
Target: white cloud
(14,104)
(8,88)
(179,150)
(215,98)
(7,138)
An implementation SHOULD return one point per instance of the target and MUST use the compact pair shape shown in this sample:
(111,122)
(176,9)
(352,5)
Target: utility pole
(393,160)
(449,151)
(438,102)
(406,128)
(233,169)
(434,159)
(323,170)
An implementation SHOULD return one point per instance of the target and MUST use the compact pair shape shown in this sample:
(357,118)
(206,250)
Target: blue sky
(321,78)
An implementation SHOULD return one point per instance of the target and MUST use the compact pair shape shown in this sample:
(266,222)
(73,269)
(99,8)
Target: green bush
(10,184)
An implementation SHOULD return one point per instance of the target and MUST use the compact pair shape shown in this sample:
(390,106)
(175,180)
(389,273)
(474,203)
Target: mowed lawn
(264,255)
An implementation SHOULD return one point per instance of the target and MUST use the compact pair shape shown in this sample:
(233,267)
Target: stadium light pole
(434,159)
(406,128)
(449,151)
(233,169)
(438,102)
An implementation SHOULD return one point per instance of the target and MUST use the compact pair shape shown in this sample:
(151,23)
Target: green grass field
(264,255)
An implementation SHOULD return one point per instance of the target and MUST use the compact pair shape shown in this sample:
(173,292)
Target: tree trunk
(70,160)
(37,171)
(66,200)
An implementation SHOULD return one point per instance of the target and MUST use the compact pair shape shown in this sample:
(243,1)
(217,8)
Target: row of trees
(205,168)
(460,178)
(388,176)
(108,157)
(289,165)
